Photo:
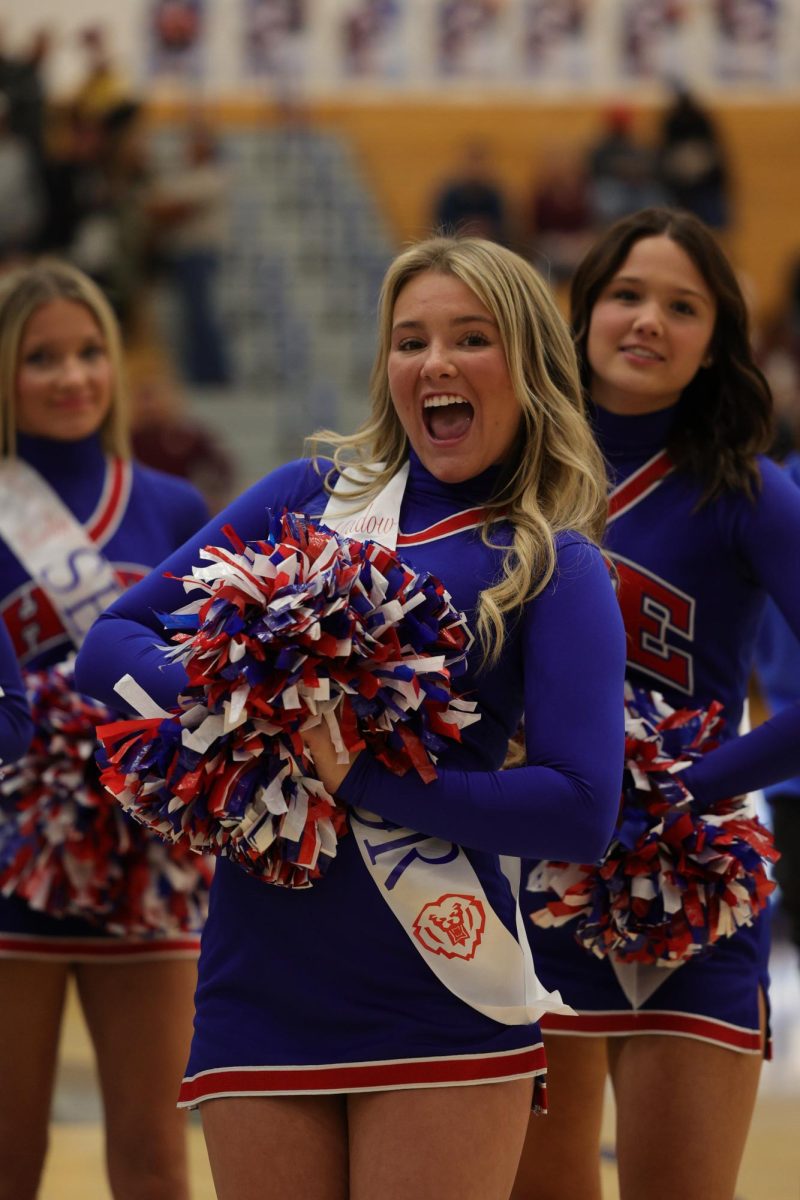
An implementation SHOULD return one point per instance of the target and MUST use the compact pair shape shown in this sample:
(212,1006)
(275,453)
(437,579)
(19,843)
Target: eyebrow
(467,320)
(683,291)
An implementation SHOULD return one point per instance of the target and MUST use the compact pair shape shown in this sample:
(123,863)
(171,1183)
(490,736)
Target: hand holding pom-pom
(679,875)
(305,641)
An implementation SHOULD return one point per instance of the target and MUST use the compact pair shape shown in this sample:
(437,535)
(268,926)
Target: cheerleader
(79,522)
(702,528)
(376,1034)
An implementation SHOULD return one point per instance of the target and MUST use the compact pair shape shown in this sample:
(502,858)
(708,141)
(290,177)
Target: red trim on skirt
(64,949)
(656,1021)
(384,1076)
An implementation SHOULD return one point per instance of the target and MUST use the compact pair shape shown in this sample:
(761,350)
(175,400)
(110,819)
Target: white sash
(430,884)
(54,548)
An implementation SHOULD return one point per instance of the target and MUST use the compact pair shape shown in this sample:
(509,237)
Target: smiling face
(650,329)
(64,374)
(449,379)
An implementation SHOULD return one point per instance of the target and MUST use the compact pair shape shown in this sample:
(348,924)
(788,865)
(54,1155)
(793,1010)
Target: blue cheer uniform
(135,516)
(321,990)
(693,584)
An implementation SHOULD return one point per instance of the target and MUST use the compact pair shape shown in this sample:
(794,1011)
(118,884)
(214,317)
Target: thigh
(271,1147)
(453,1143)
(139,1017)
(685,1105)
(561,1156)
(31,1006)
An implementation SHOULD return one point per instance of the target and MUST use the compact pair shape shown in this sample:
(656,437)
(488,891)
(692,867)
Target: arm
(564,803)
(769,538)
(128,638)
(16,726)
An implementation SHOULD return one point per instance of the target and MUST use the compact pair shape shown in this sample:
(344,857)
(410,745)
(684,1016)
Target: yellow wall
(407,150)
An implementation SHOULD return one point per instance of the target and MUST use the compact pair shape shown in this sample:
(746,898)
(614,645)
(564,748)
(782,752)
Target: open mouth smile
(447,418)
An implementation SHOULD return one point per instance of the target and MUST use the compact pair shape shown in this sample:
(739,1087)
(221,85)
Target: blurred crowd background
(237,174)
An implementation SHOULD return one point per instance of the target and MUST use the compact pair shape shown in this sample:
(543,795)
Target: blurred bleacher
(298,290)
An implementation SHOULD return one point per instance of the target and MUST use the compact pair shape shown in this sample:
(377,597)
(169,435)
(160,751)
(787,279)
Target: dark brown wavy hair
(725,413)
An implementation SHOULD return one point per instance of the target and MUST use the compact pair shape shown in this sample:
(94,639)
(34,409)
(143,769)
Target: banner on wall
(746,40)
(652,46)
(572,48)
(274,35)
(371,42)
(176,36)
(555,40)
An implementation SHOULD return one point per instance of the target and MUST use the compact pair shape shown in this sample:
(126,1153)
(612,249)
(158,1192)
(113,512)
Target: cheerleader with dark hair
(662,946)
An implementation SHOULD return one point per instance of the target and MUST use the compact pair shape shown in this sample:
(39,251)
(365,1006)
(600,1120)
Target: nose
(72,371)
(648,319)
(438,363)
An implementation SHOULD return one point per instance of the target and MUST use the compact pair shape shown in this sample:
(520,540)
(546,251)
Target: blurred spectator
(472,202)
(21,201)
(190,209)
(112,238)
(560,216)
(165,437)
(22,84)
(692,164)
(622,170)
(104,88)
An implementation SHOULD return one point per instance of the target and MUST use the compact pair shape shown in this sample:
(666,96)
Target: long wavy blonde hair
(555,478)
(23,290)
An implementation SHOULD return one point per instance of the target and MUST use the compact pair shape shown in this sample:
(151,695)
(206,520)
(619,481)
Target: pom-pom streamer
(679,874)
(67,849)
(301,628)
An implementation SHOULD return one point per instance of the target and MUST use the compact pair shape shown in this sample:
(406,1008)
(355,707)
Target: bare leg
(457,1143)
(699,1097)
(561,1157)
(271,1147)
(140,1019)
(31,1005)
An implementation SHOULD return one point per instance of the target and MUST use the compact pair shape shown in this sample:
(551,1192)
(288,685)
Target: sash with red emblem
(429,884)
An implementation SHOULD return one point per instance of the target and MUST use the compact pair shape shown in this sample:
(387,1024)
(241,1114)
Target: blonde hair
(555,480)
(25,289)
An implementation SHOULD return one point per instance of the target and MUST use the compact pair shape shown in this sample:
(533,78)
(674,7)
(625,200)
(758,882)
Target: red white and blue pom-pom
(679,874)
(301,628)
(67,849)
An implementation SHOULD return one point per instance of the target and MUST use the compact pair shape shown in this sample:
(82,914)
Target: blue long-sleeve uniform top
(135,516)
(693,587)
(16,726)
(778,657)
(562,666)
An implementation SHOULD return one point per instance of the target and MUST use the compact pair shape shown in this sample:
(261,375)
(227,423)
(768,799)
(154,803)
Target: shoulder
(298,485)
(574,550)
(172,489)
(779,484)
(791,467)
(579,562)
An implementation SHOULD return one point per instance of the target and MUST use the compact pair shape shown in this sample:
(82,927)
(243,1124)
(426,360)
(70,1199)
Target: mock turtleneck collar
(623,437)
(53,458)
(472,491)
